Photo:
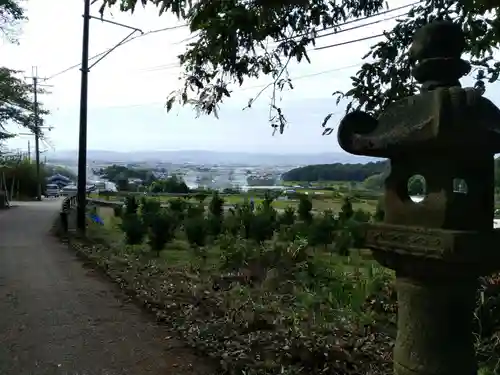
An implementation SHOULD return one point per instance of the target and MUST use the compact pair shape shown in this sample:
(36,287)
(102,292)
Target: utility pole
(37,135)
(36,130)
(82,140)
(81,193)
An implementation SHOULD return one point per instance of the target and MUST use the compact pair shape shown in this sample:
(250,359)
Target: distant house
(72,189)
(135,181)
(104,186)
(59,180)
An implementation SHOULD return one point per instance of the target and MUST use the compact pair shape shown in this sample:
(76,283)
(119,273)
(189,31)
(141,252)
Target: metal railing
(70,202)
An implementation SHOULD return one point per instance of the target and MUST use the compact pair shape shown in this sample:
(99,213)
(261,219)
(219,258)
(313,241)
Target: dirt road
(56,317)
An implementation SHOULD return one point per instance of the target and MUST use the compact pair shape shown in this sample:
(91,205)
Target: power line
(296,78)
(161,67)
(192,37)
(176,65)
(349,42)
(359,26)
(357,20)
(109,49)
(293,78)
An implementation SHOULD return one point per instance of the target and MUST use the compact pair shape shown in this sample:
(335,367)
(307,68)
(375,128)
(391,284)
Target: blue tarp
(96,219)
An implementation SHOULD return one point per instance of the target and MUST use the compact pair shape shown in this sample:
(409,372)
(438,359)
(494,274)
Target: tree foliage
(173,184)
(115,173)
(304,209)
(236,40)
(161,230)
(11,13)
(388,77)
(335,172)
(63,171)
(133,227)
(16,95)
(375,182)
(18,177)
(416,185)
(16,103)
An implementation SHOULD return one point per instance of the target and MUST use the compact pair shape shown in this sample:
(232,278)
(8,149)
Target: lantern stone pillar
(439,246)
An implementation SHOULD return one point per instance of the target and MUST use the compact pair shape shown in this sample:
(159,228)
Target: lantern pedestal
(435,320)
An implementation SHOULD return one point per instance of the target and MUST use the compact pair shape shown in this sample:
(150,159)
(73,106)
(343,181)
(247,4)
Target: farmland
(321,199)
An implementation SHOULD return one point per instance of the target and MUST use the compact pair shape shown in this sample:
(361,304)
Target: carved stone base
(431,250)
(435,320)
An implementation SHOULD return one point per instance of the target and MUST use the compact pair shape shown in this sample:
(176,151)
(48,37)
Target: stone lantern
(442,244)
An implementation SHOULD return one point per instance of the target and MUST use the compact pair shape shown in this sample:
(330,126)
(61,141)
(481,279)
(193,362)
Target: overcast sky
(127,89)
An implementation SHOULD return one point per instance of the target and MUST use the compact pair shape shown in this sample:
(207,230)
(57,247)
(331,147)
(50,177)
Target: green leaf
(240,40)
(170,104)
(327,131)
(326,119)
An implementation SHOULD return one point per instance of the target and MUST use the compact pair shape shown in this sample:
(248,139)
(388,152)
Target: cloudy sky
(127,89)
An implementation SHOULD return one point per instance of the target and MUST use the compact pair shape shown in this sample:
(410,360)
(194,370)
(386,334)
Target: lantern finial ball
(436,50)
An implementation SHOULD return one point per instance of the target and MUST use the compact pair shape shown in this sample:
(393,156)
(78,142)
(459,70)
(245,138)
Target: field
(330,184)
(275,307)
(321,199)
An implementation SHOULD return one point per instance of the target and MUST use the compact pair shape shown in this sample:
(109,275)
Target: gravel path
(56,317)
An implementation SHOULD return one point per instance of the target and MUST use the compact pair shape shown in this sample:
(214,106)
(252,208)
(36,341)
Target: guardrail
(105,203)
(70,202)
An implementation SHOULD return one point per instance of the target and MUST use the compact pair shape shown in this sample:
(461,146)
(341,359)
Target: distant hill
(336,172)
(211,157)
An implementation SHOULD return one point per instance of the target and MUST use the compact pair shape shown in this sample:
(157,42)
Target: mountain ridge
(212,157)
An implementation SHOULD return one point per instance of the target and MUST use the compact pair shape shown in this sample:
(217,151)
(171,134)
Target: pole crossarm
(116,23)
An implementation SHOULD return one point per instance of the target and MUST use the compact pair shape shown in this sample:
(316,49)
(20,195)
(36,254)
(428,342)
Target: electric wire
(150,32)
(349,42)
(176,65)
(294,78)
(107,50)
(239,89)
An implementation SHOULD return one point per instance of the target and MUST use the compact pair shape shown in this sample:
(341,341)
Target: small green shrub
(321,230)
(133,228)
(178,206)
(287,218)
(262,226)
(196,231)
(150,208)
(161,230)
(131,204)
(304,210)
